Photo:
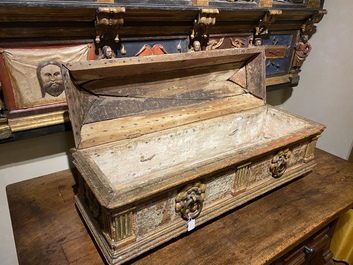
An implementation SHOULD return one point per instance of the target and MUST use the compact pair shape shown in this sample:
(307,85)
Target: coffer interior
(133,160)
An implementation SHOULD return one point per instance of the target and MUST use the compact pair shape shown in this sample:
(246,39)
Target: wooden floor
(340,263)
(48,228)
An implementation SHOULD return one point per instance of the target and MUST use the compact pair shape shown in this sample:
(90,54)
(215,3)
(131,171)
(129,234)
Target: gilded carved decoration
(238,43)
(189,202)
(227,42)
(38,120)
(266,21)
(122,227)
(316,18)
(265,3)
(108,22)
(199,33)
(214,44)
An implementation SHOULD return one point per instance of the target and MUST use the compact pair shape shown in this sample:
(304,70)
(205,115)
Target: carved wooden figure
(302,50)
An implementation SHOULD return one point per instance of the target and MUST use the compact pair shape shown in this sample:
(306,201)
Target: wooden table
(48,229)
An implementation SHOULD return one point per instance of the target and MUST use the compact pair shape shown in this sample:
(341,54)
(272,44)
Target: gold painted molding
(37,121)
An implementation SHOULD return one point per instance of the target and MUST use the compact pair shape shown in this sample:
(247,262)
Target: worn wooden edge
(82,72)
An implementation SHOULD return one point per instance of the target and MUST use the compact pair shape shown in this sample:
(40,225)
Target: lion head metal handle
(279,163)
(189,202)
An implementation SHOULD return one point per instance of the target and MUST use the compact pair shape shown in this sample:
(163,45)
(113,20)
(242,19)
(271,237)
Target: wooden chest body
(167,142)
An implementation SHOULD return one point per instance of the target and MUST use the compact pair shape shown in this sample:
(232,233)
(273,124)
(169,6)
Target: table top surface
(49,230)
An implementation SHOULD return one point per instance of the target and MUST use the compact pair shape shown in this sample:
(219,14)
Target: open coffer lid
(112,100)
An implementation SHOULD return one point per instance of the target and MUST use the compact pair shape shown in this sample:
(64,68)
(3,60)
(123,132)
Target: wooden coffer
(165,143)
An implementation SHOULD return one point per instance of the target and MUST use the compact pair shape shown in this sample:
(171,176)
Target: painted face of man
(52,81)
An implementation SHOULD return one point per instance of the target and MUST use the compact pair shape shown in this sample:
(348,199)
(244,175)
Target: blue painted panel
(279,66)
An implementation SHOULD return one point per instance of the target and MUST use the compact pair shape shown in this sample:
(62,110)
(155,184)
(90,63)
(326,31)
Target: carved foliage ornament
(189,202)
(279,163)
